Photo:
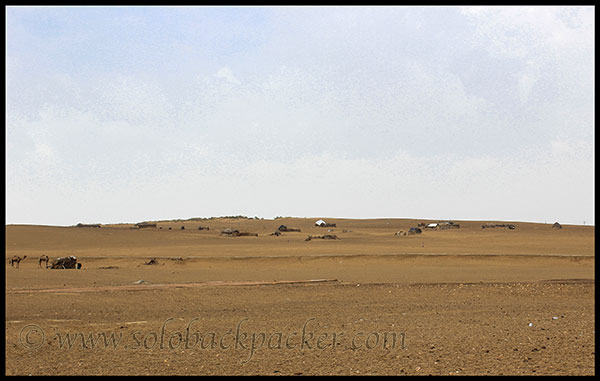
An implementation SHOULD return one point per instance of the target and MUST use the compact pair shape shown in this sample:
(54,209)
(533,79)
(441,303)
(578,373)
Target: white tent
(433,225)
(320,223)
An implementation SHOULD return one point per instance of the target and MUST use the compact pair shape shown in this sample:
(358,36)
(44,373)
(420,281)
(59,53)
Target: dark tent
(65,263)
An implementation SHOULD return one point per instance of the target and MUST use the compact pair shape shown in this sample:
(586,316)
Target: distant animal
(16,260)
(43,258)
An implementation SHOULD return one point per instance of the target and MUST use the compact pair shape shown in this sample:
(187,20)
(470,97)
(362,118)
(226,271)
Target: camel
(16,259)
(43,258)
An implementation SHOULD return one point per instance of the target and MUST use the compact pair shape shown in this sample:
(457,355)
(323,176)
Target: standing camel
(43,258)
(16,260)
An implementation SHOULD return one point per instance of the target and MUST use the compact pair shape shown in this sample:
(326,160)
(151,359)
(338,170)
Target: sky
(127,114)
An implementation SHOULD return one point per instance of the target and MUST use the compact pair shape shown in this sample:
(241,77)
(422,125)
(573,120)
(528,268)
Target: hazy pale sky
(124,114)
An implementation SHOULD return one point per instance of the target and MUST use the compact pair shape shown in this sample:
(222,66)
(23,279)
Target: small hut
(556,225)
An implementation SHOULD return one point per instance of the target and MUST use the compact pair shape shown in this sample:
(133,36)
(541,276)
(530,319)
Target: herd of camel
(16,260)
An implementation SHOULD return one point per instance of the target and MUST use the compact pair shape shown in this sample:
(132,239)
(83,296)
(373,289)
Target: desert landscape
(181,297)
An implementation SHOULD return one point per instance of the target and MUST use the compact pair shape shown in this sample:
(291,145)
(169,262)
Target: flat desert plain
(466,301)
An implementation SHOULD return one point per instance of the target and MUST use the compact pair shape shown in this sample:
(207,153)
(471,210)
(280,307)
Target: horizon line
(297,217)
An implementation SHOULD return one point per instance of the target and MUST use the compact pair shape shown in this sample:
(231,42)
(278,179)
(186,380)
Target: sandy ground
(461,301)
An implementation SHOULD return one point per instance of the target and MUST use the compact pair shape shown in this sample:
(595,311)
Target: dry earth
(465,301)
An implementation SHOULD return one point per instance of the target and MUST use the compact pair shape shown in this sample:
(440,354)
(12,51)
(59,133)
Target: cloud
(227,74)
(434,112)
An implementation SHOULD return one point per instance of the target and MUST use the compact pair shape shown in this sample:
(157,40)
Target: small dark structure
(230,232)
(237,233)
(80,225)
(325,236)
(142,225)
(415,231)
(284,228)
(69,262)
(153,261)
(183,228)
(247,234)
(556,225)
(203,228)
(507,226)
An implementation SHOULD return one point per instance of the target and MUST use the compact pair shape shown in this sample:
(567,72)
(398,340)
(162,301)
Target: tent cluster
(440,225)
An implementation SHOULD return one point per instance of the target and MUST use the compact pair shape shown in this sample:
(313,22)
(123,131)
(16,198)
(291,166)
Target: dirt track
(458,302)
